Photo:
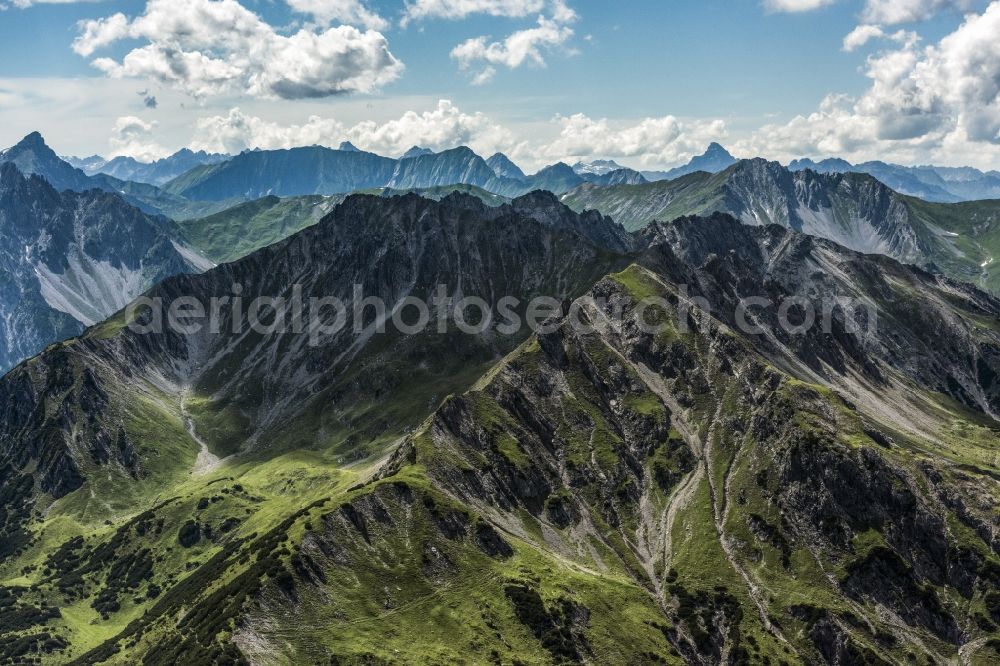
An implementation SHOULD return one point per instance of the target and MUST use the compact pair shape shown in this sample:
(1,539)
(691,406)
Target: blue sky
(647,83)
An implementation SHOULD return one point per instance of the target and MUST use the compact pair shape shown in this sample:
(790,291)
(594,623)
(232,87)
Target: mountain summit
(416,151)
(32,156)
(713,160)
(504,168)
(597,167)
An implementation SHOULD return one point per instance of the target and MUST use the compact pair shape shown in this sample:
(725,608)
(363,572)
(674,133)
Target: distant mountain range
(855,210)
(154,173)
(931,183)
(32,155)
(713,160)
(319,170)
(369,171)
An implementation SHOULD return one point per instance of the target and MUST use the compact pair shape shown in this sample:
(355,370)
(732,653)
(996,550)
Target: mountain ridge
(602,493)
(931,183)
(158,172)
(854,209)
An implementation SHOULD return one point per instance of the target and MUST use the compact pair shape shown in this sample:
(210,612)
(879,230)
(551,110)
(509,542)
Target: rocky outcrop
(71,260)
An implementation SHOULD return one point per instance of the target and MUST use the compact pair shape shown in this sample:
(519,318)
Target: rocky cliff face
(601,492)
(71,260)
(448,167)
(853,210)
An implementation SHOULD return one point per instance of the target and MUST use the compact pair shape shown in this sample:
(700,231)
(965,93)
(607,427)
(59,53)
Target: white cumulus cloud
(134,137)
(520,47)
(891,12)
(440,128)
(865,33)
(460,9)
(352,12)
(651,142)
(940,102)
(795,6)
(209,47)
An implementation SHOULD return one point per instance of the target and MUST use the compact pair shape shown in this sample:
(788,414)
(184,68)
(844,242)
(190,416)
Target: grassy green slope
(635,206)
(238,231)
(971,231)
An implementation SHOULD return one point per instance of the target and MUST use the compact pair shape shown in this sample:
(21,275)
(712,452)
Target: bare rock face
(70,260)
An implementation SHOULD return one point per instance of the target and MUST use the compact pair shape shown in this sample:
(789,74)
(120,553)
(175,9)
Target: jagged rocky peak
(545,207)
(504,167)
(33,140)
(560,168)
(416,151)
(713,160)
(348,147)
(32,144)
(828,165)
(716,149)
(597,167)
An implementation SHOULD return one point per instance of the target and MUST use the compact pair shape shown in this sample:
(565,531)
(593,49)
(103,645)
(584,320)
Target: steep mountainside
(283,173)
(70,260)
(238,231)
(158,172)
(32,156)
(597,493)
(854,210)
(930,183)
(504,168)
(459,165)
